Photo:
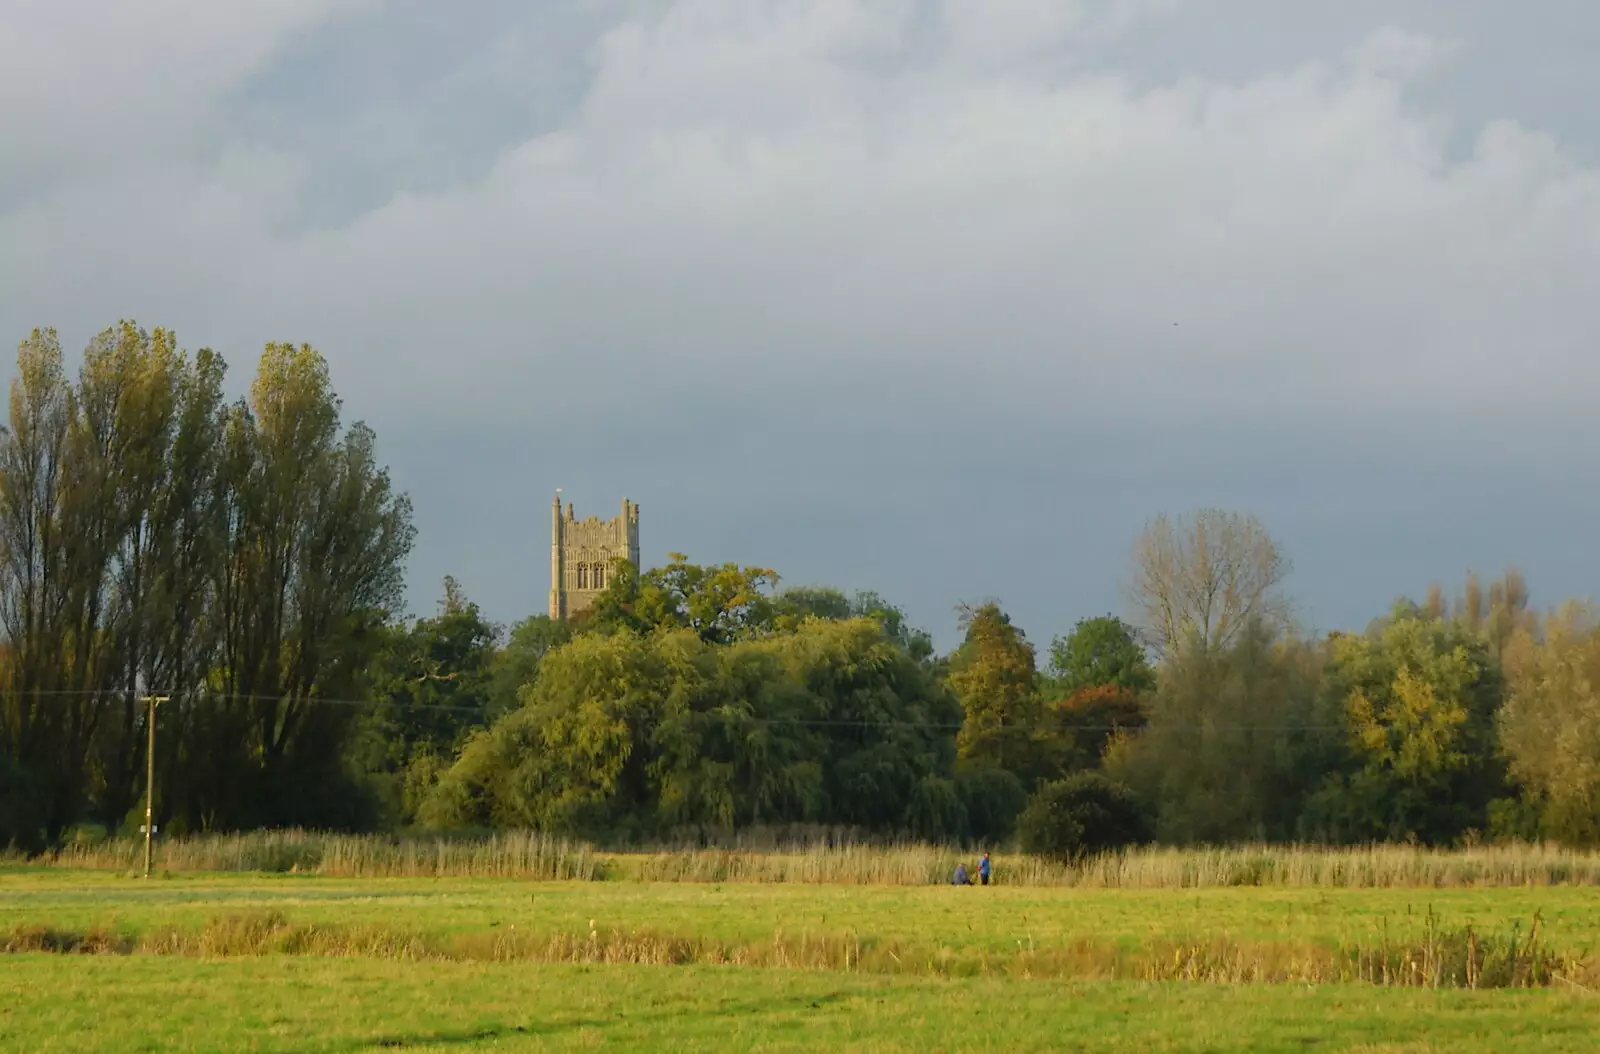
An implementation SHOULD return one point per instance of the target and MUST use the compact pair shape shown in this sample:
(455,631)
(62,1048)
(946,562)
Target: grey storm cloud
(940,298)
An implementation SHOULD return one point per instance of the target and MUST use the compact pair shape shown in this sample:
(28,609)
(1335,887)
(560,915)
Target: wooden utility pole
(150,777)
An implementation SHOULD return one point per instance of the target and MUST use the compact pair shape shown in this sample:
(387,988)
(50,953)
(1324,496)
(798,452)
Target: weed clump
(1442,958)
(94,941)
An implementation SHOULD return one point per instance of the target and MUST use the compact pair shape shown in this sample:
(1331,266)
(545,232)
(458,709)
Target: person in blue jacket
(983,869)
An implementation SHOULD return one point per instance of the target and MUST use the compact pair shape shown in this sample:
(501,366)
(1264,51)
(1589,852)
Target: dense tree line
(704,699)
(240,557)
(694,700)
(245,558)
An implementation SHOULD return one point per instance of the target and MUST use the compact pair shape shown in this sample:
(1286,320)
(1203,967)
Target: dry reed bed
(515,854)
(1373,867)
(536,856)
(1454,958)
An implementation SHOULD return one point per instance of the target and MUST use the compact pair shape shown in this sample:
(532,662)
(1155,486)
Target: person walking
(983,869)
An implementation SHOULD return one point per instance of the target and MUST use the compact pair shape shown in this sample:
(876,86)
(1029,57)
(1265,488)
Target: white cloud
(774,189)
(1394,52)
(84,84)
(911,238)
(1005,30)
(1002,33)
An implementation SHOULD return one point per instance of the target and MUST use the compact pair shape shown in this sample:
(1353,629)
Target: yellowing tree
(1550,725)
(994,677)
(1419,696)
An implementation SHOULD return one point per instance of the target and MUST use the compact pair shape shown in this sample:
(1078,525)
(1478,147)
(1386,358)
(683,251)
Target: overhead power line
(748,719)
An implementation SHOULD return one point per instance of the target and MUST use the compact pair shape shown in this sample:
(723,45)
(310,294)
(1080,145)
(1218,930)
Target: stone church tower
(582,553)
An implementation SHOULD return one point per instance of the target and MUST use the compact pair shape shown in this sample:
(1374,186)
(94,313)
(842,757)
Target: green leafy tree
(1100,652)
(991,799)
(581,749)
(719,604)
(128,397)
(937,810)
(917,643)
(516,664)
(1098,674)
(108,517)
(801,602)
(42,731)
(795,605)
(632,734)
(1419,697)
(22,814)
(729,749)
(1232,743)
(240,559)
(616,609)
(432,685)
(315,555)
(878,720)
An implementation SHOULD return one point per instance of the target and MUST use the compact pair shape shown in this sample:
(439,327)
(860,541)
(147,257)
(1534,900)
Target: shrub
(1081,815)
(1515,819)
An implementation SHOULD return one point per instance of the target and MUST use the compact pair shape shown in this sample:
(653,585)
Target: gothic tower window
(583,576)
(599,576)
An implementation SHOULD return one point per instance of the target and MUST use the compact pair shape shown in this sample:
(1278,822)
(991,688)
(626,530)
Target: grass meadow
(295,942)
(52,1004)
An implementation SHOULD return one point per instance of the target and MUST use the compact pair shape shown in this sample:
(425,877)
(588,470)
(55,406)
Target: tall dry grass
(1371,867)
(529,855)
(514,854)
(1442,958)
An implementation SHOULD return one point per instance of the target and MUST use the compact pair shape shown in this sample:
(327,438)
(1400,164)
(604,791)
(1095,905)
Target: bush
(1572,821)
(1081,815)
(1515,819)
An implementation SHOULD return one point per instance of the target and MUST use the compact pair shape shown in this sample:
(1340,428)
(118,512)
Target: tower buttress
(630,528)
(558,599)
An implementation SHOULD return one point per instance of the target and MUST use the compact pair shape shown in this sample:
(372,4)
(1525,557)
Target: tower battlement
(583,553)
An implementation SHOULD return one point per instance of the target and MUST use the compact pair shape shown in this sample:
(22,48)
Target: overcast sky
(939,298)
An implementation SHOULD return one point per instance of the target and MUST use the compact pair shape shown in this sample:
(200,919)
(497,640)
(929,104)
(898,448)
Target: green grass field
(506,964)
(963,920)
(54,1003)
